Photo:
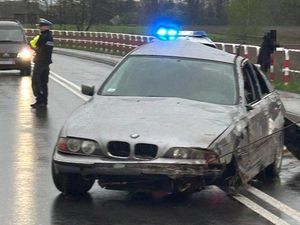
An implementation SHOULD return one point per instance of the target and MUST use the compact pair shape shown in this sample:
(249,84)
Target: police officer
(42,45)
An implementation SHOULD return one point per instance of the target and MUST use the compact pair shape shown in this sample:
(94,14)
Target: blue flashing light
(162,31)
(172,32)
(167,33)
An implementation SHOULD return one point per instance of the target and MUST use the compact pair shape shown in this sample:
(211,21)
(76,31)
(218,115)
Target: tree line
(241,15)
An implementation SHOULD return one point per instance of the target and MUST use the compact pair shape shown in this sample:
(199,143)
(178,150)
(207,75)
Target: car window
(11,35)
(251,88)
(264,84)
(149,76)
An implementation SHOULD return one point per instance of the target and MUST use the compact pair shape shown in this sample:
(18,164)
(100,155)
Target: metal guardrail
(121,44)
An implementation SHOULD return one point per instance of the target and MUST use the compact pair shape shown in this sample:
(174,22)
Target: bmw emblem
(134,136)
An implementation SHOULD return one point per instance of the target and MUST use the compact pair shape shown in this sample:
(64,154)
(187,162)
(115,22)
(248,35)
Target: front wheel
(72,184)
(26,71)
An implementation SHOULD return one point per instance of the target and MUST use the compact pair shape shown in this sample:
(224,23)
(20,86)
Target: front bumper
(14,64)
(95,167)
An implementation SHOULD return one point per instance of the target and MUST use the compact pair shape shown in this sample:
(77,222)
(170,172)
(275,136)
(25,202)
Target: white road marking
(78,94)
(259,210)
(65,80)
(274,202)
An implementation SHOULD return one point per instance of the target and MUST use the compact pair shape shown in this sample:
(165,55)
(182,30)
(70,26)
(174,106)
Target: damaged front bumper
(173,168)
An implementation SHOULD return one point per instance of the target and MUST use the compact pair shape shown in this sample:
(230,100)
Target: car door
(257,116)
(275,116)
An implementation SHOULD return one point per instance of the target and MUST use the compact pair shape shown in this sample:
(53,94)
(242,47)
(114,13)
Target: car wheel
(273,170)
(72,184)
(26,71)
(230,180)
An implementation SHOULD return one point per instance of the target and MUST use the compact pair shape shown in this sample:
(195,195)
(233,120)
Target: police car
(174,116)
(169,33)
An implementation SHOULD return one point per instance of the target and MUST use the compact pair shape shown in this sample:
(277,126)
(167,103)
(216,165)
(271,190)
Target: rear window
(149,76)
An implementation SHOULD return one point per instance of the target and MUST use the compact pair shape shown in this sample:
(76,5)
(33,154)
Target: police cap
(44,22)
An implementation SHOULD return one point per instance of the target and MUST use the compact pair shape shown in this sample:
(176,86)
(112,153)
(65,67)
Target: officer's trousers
(40,78)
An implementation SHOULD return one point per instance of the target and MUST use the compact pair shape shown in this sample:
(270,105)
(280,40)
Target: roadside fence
(284,63)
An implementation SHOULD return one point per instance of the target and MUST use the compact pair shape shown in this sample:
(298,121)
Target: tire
(71,184)
(273,170)
(230,181)
(26,71)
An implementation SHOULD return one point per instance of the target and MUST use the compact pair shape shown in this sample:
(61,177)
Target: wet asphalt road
(28,196)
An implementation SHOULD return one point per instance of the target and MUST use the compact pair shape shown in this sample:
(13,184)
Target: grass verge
(293,86)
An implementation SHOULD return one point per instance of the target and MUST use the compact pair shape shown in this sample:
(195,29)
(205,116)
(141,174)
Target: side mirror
(88,90)
(249,107)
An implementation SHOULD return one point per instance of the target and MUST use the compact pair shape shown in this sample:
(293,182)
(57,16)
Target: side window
(251,89)
(265,86)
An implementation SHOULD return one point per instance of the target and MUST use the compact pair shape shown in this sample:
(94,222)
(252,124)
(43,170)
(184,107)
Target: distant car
(173,116)
(15,53)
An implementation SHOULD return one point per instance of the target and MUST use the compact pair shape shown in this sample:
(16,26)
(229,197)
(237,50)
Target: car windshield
(11,35)
(149,76)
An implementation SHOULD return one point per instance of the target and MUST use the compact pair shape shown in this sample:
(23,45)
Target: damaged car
(173,116)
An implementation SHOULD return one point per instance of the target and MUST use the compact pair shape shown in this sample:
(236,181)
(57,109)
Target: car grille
(145,151)
(141,150)
(118,148)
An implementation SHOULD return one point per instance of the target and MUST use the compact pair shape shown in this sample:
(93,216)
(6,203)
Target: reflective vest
(34,41)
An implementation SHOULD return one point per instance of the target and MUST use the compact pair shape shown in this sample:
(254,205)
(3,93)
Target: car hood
(166,122)
(6,47)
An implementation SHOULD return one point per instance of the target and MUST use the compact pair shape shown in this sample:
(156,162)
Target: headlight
(25,54)
(190,153)
(179,153)
(88,147)
(73,145)
(78,146)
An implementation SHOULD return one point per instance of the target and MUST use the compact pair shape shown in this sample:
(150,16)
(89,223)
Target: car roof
(184,49)
(9,24)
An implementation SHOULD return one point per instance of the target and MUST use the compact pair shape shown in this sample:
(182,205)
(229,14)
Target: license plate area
(7,62)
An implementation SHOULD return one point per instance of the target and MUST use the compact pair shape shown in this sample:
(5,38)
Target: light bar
(167,33)
(187,33)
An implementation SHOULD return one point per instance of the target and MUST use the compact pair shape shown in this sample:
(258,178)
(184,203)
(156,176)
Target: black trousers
(40,78)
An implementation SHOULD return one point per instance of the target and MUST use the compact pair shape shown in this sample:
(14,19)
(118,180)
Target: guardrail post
(286,65)
(234,49)
(246,54)
(223,46)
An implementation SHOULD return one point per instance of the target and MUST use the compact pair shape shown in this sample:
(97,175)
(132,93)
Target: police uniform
(43,46)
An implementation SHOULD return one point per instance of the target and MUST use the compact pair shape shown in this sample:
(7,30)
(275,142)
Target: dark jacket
(44,48)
